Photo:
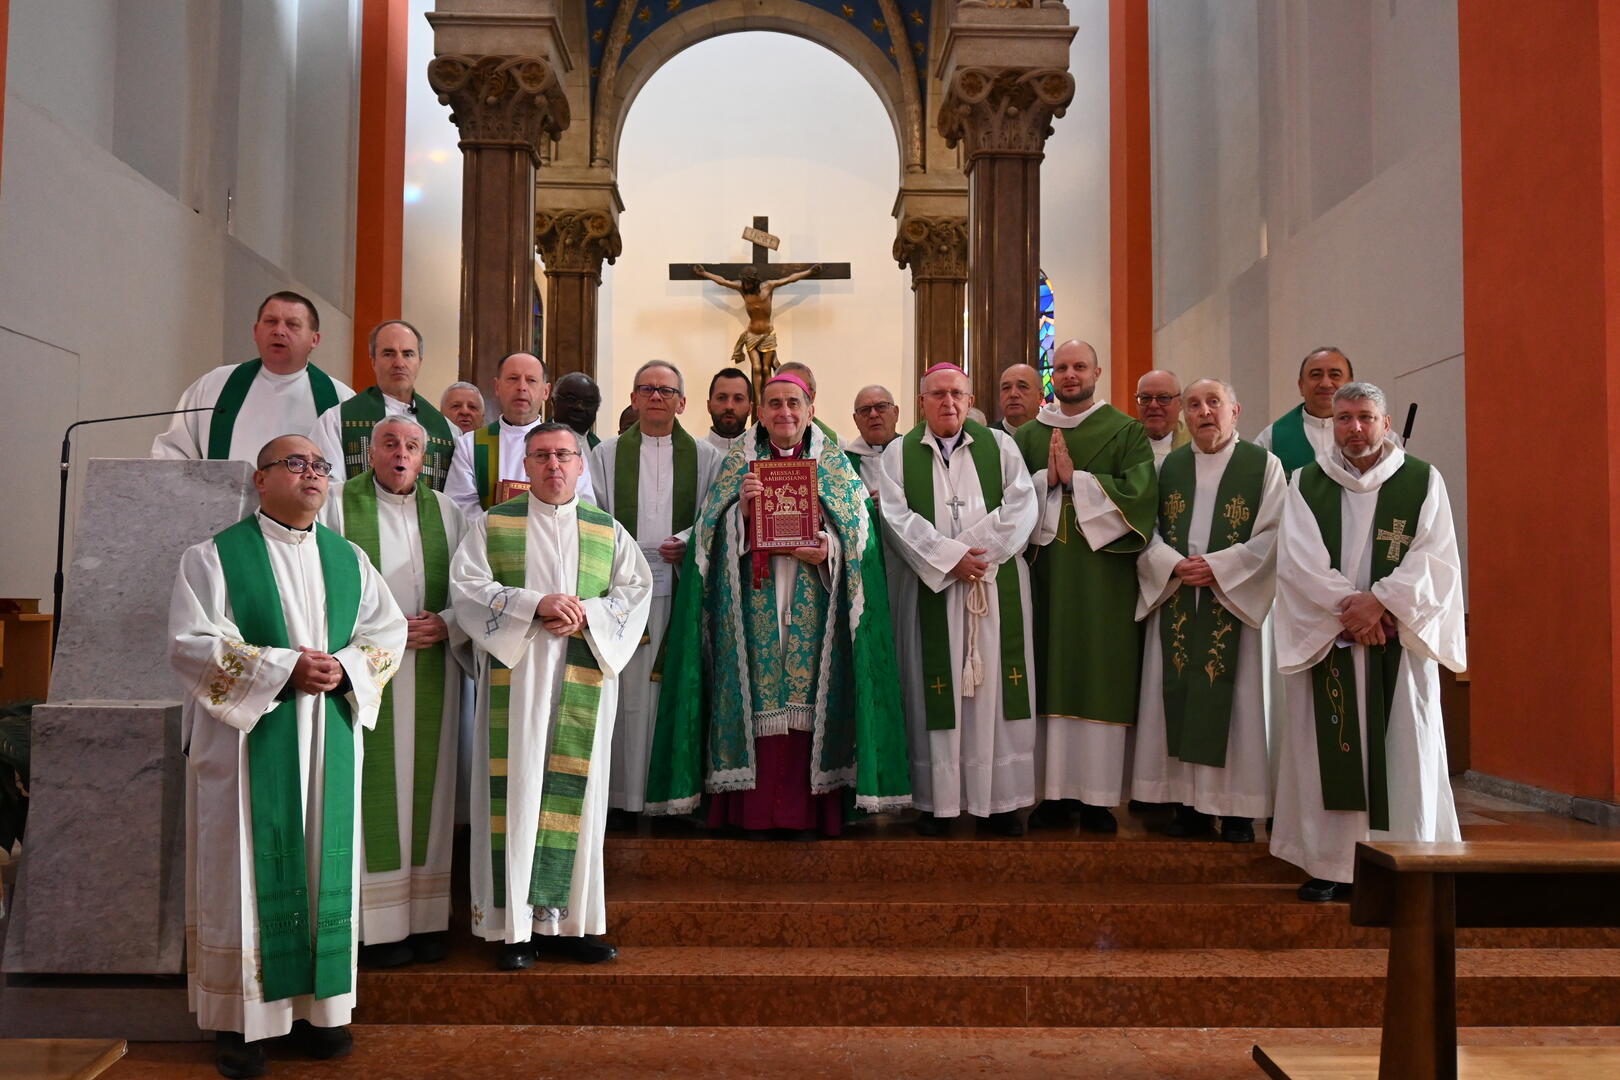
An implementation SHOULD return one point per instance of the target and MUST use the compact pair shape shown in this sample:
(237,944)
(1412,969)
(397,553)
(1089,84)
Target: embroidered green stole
(235,391)
(379,800)
(1289,443)
(939,673)
(1333,678)
(562,799)
(289,965)
(627,479)
(1198,703)
(358,415)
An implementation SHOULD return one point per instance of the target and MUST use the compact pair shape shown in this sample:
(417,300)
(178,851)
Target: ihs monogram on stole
(1237,514)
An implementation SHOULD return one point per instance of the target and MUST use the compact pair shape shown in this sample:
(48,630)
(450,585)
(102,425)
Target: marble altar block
(100,889)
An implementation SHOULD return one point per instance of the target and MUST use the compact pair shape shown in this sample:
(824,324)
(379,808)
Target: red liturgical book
(509,489)
(787,514)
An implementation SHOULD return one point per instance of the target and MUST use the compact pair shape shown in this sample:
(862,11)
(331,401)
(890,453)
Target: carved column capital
(936,248)
(513,101)
(1003,111)
(576,241)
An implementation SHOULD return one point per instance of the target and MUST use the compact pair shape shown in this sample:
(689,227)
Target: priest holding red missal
(780,684)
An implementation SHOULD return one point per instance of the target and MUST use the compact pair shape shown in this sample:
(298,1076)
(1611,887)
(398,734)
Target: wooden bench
(58,1059)
(1423,893)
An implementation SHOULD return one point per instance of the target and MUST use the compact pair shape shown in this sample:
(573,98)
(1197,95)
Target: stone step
(1007,915)
(1008,987)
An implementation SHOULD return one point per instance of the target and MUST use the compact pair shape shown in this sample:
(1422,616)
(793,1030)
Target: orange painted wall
(1541,249)
(380,203)
(1130,198)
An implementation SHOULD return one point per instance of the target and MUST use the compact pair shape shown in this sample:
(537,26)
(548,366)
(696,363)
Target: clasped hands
(1195,571)
(316,672)
(1059,465)
(560,613)
(424,629)
(751,489)
(1365,620)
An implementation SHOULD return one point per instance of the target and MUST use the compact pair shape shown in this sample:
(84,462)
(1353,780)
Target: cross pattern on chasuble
(1397,538)
(768,271)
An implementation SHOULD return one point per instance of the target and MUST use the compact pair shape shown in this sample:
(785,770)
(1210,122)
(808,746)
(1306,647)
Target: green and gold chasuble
(379,801)
(1333,678)
(728,678)
(1088,644)
(358,415)
(1289,442)
(939,673)
(1200,643)
(235,391)
(294,960)
(573,732)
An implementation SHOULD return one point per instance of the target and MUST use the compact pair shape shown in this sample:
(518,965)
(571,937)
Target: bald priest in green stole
(1369,606)
(408,785)
(246,405)
(780,695)
(343,433)
(284,637)
(554,594)
(1093,473)
(1207,580)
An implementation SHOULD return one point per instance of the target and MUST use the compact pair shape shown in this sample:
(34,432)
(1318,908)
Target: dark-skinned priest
(1369,605)
(654,478)
(779,676)
(554,595)
(1207,581)
(284,636)
(1093,472)
(408,785)
(959,507)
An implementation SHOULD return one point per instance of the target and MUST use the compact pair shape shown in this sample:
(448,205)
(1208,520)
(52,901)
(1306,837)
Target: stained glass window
(1047,328)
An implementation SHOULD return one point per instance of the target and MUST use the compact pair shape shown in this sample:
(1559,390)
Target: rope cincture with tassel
(977,603)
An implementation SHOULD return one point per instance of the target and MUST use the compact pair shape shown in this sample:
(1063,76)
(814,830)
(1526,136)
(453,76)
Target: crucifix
(755,281)
(955,503)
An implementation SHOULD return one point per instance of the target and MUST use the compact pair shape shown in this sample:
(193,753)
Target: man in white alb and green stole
(653,479)
(284,637)
(958,508)
(1369,605)
(778,699)
(408,787)
(1093,474)
(344,433)
(1305,433)
(246,405)
(1207,581)
(554,595)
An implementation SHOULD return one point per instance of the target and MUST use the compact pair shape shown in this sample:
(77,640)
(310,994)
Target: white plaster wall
(121,279)
(700,157)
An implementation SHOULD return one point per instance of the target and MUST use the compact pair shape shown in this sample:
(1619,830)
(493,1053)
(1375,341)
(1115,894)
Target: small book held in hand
(787,512)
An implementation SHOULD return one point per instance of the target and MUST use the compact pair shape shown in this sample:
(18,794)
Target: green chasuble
(1200,642)
(728,679)
(1088,644)
(1289,443)
(223,424)
(379,800)
(360,413)
(1333,678)
(297,957)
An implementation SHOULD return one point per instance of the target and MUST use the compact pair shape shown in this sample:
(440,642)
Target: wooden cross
(1397,538)
(939,685)
(763,244)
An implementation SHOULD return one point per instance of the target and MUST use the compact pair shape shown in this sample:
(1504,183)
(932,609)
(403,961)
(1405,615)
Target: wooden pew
(1423,893)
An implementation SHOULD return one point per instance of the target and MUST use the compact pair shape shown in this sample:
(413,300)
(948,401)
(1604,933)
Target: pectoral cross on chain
(955,503)
(1397,538)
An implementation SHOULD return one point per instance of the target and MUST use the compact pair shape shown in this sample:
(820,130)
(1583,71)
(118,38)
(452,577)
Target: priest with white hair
(1369,605)
(1207,579)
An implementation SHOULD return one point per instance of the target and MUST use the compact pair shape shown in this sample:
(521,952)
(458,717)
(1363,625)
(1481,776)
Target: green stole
(593,440)
(288,966)
(1333,682)
(358,415)
(235,391)
(939,674)
(1198,711)
(379,805)
(627,479)
(562,800)
(1289,443)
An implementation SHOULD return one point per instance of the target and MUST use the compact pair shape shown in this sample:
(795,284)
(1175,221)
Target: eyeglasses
(297,465)
(951,395)
(874,410)
(668,393)
(1155,399)
(562,457)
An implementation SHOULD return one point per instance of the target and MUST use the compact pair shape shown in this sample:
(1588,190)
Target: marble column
(936,250)
(1001,116)
(504,107)
(573,245)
